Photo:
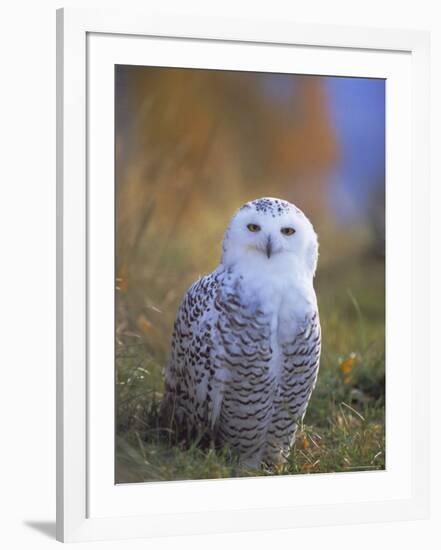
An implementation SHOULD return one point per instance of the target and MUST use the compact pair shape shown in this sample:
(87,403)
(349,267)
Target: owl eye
(287,231)
(253,227)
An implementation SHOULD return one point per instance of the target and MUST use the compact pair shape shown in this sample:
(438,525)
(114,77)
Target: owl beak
(269,247)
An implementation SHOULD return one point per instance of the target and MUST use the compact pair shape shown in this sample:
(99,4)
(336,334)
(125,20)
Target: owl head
(271,235)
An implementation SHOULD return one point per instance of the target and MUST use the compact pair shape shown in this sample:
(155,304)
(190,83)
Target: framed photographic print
(239,280)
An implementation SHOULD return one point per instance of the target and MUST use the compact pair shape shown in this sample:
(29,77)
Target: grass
(344,425)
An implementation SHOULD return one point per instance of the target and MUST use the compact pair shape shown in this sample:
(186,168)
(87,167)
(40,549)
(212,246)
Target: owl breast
(257,332)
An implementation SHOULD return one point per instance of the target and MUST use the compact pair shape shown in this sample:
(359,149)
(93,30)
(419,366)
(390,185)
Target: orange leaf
(144,324)
(348,364)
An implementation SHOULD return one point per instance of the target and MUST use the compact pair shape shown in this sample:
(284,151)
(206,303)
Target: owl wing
(194,382)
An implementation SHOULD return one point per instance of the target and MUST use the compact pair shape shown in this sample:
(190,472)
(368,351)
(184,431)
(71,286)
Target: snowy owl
(246,342)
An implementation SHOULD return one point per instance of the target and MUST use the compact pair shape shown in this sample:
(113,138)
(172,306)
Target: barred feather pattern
(232,377)
(300,364)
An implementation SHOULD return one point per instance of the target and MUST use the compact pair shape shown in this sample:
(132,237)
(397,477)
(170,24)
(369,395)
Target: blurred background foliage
(191,147)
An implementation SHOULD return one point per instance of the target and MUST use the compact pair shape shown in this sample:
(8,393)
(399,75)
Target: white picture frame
(89,505)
